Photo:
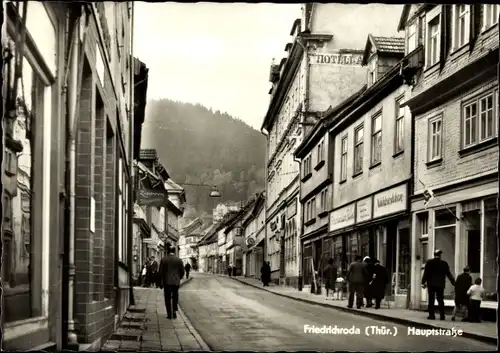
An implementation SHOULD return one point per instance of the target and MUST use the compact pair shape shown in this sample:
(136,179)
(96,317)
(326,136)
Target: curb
(197,336)
(485,339)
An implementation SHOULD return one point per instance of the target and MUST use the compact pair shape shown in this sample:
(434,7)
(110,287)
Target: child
(462,285)
(339,288)
(476,292)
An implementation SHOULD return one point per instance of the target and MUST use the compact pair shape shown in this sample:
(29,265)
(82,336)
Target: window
(490,15)
(489,245)
(377,139)
(313,208)
(461,20)
(433,41)
(444,239)
(321,149)
(372,72)
(478,121)
(358,149)
(307,166)
(343,161)
(435,138)
(399,133)
(411,38)
(324,200)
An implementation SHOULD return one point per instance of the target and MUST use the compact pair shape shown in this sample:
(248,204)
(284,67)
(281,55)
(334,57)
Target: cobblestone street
(233,316)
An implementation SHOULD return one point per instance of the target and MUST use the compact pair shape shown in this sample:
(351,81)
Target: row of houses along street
(83,207)
(388,150)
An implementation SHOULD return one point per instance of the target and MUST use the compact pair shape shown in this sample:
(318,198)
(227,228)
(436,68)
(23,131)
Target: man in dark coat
(370,270)
(330,276)
(434,278)
(229,270)
(187,268)
(265,274)
(378,283)
(462,285)
(171,272)
(356,277)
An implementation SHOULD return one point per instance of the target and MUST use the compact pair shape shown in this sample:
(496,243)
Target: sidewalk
(145,327)
(484,331)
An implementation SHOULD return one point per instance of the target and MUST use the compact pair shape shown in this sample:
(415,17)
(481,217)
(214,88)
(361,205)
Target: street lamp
(214,193)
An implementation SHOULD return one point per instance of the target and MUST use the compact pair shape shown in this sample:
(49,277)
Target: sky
(217,55)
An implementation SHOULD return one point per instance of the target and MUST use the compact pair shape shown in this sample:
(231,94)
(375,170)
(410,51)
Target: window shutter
(476,12)
(445,34)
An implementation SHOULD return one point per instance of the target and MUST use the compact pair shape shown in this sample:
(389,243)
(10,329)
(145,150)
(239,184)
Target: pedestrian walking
(330,276)
(356,278)
(265,274)
(170,272)
(229,270)
(476,292)
(233,268)
(434,278)
(144,274)
(154,272)
(187,268)
(367,288)
(462,285)
(378,284)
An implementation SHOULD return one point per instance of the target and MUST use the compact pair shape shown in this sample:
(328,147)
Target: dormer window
(461,25)
(372,72)
(411,38)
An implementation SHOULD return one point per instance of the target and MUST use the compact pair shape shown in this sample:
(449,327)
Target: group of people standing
(149,275)
(366,279)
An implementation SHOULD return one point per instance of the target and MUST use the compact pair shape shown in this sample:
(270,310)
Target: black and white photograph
(268,176)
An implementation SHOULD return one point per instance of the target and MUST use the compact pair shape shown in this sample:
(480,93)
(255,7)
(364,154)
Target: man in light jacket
(171,272)
(356,277)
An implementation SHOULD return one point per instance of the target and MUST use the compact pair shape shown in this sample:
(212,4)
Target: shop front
(463,226)
(377,226)
(314,255)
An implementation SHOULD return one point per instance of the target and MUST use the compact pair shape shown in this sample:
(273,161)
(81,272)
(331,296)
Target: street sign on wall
(150,197)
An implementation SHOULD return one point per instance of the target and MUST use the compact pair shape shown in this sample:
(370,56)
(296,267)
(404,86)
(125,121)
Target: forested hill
(199,145)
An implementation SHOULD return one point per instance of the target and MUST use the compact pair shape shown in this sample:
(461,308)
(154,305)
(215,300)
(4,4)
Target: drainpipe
(70,168)
(301,231)
(131,157)
(266,134)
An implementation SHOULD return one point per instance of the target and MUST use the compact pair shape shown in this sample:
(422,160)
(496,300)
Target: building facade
(454,105)
(141,232)
(322,68)
(254,224)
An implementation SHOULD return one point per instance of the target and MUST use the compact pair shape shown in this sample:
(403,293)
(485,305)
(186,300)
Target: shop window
(352,247)
(490,267)
(364,242)
(337,253)
(472,224)
(444,239)
(404,260)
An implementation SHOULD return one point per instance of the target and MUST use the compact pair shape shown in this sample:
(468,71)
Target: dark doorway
(391,253)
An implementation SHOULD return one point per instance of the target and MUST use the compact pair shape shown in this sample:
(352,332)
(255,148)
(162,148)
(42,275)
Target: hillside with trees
(201,146)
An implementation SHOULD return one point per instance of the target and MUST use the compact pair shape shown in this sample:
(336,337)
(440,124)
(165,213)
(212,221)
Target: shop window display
(444,239)
(490,267)
(404,260)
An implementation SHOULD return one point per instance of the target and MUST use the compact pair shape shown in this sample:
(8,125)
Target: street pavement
(147,328)
(230,315)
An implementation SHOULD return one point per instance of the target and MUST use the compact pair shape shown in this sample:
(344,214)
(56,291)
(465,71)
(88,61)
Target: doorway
(390,255)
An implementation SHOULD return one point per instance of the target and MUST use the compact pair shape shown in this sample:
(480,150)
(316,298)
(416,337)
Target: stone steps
(127,335)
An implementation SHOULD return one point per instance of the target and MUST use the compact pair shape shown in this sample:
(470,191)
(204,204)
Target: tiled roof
(390,44)
(149,153)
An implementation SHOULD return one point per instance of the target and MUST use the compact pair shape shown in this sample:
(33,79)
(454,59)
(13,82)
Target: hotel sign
(337,58)
(342,218)
(390,201)
(364,210)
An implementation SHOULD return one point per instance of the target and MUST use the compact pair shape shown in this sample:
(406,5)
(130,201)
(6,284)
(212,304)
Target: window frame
(456,28)
(430,151)
(433,16)
(357,148)
(411,37)
(374,133)
(488,19)
(400,118)
(343,157)
(478,125)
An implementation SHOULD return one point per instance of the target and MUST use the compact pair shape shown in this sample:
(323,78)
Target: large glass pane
(43,32)
(404,260)
(445,217)
(490,267)
(444,239)
(472,226)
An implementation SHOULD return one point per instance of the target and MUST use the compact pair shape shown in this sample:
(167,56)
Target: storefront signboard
(390,201)
(343,217)
(364,210)
(291,209)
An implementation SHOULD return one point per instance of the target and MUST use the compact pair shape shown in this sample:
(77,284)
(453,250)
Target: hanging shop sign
(150,197)
(390,201)
(364,209)
(343,217)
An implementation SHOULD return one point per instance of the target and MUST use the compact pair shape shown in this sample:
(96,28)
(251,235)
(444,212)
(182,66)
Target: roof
(383,45)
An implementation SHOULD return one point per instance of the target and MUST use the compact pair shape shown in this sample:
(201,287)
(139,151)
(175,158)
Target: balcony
(412,63)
